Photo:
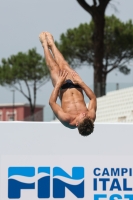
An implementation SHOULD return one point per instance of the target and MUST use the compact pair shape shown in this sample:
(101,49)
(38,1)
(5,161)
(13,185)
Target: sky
(21,22)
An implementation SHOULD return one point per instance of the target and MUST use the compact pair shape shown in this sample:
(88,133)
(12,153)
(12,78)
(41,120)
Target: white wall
(52,144)
(53,138)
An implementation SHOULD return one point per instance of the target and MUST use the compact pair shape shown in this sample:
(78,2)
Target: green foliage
(77,45)
(118,43)
(28,67)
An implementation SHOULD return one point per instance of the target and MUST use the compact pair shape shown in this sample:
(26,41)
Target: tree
(97,12)
(28,68)
(77,47)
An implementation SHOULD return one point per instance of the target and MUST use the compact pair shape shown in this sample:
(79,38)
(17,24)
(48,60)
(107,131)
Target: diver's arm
(90,94)
(60,114)
(54,95)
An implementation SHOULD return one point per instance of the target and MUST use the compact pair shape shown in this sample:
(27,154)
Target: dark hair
(86,127)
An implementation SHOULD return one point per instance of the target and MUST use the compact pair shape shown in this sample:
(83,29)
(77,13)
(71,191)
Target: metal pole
(117,86)
(13,102)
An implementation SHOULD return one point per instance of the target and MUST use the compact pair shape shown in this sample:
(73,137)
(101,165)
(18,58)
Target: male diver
(69,87)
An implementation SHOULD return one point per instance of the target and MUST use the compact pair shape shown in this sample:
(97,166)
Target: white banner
(67,177)
(50,161)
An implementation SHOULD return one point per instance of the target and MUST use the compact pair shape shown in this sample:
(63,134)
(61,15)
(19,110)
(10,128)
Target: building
(116,106)
(20,112)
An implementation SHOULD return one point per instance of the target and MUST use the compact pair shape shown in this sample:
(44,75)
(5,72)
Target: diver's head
(84,124)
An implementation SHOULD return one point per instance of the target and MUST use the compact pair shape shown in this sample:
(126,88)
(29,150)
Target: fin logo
(62,180)
(19,178)
(24,178)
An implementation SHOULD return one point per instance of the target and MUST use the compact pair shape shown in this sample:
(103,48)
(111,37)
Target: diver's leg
(62,63)
(51,64)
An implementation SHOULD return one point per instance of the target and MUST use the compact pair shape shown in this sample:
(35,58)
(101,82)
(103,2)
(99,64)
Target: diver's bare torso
(72,101)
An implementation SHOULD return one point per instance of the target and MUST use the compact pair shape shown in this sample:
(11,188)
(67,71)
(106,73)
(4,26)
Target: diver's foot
(42,38)
(50,39)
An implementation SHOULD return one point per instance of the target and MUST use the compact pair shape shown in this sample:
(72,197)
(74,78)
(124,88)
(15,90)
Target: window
(1,117)
(10,116)
(122,119)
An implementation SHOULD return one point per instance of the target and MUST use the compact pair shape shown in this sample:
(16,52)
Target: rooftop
(19,104)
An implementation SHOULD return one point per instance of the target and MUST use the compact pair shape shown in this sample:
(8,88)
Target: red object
(20,112)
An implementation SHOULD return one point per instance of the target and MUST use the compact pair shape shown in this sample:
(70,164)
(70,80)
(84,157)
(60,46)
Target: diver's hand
(62,77)
(76,78)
